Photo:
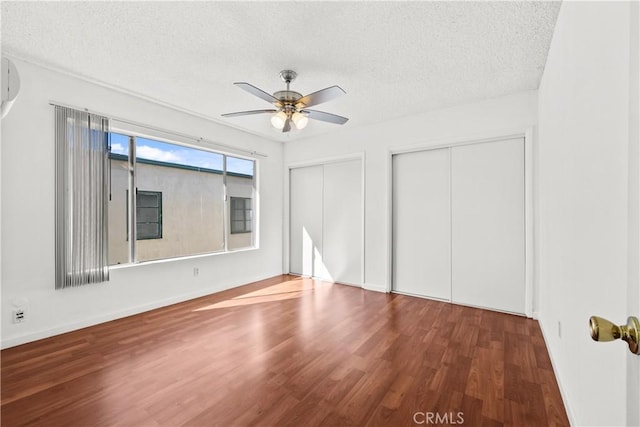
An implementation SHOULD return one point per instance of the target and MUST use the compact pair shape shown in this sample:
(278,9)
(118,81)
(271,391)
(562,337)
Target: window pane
(148,215)
(240,166)
(118,185)
(191,183)
(148,230)
(241,235)
(146,200)
(177,155)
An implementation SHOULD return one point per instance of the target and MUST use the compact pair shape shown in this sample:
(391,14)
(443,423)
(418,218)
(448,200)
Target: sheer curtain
(81,197)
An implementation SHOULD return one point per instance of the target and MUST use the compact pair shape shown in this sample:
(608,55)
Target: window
(148,215)
(183,200)
(241,215)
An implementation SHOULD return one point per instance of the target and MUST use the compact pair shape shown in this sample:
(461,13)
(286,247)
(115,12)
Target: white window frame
(134,132)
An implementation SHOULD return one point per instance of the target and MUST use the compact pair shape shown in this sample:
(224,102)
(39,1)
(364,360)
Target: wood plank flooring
(288,351)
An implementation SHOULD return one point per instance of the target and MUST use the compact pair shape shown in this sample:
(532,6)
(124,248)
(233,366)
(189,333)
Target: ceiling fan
(291,105)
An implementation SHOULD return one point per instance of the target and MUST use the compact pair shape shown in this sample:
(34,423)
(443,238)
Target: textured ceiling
(392,58)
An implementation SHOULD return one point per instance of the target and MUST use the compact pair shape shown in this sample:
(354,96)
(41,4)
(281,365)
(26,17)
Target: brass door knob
(605,330)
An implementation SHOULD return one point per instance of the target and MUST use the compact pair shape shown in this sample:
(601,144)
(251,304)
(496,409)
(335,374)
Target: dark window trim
(244,219)
(158,194)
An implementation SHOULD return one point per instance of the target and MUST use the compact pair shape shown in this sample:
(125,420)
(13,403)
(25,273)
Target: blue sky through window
(237,165)
(172,153)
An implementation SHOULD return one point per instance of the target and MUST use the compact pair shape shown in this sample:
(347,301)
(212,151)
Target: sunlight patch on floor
(289,289)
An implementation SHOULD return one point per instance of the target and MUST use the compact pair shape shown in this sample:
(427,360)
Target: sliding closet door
(421,224)
(306,221)
(488,232)
(342,222)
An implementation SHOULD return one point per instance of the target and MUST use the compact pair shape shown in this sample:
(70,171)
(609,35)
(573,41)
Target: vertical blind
(81,197)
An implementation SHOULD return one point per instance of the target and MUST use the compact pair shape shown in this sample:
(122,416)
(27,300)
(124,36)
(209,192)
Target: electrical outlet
(196,271)
(18,316)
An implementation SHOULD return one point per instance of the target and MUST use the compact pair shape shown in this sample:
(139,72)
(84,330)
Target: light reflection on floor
(289,289)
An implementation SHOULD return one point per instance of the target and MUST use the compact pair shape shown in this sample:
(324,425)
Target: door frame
(286,249)
(528,136)
(633,242)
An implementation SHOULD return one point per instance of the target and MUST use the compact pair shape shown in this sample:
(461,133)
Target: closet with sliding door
(326,221)
(459,224)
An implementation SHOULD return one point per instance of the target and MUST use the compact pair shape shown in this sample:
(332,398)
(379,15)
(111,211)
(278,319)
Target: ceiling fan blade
(259,93)
(325,117)
(287,125)
(248,113)
(323,95)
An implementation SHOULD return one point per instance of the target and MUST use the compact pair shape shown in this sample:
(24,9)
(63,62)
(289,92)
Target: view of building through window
(148,215)
(241,215)
(183,200)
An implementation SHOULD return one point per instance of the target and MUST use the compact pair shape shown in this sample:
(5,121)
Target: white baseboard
(565,400)
(375,288)
(114,315)
(536,315)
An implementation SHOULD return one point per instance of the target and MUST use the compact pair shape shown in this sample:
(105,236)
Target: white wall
(583,203)
(494,117)
(28,216)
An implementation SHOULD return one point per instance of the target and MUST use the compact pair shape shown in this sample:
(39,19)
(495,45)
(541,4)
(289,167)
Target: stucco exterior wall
(192,212)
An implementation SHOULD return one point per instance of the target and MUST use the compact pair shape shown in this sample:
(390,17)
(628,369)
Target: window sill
(184,258)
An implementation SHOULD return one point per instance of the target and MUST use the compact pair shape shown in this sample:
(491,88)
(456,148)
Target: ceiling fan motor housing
(288,97)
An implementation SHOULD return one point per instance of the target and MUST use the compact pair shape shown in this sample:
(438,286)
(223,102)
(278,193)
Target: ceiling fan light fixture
(278,119)
(291,108)
(300,120)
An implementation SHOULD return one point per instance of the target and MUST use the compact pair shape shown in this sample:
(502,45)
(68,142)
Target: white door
(421,224)
(326,222)
(488,225)
(342,222)
(305,247)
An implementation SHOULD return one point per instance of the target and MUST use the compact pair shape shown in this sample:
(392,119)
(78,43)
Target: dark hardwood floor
(288,352)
